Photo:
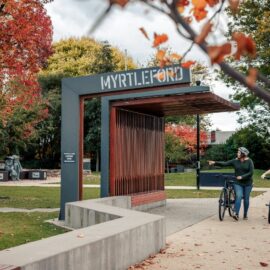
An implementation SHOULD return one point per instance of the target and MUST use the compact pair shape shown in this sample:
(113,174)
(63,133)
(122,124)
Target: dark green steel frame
(73,89)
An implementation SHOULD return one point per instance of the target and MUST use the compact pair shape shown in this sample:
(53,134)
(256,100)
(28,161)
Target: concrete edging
(107,237)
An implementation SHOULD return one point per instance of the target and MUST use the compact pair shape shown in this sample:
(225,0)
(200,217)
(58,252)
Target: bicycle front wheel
(231,202)
(269,213)
(222,204)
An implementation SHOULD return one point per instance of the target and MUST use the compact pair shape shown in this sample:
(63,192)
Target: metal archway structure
(134,104)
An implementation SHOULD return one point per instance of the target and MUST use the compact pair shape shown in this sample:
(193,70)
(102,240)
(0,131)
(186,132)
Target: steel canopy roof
(179,104)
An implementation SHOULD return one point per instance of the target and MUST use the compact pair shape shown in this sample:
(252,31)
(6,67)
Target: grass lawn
(20,228)
(187,178)
(37,197)
(49,197)
(191,193)
(93,179)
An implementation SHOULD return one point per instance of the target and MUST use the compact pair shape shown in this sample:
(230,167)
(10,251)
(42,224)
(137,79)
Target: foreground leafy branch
(227,69)
(245,45)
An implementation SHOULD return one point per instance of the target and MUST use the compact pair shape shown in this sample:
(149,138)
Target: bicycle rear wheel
(222,204)
(231,202)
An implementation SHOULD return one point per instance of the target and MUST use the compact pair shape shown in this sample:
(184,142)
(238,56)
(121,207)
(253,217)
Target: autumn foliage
(201,23)
(217,53)
(25,37)
(25,44)
(187,135)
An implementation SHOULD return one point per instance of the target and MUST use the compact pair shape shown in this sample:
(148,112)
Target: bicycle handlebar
(229,180)
(229,177)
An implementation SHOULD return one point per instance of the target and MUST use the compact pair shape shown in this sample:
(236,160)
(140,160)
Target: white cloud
(224,121)
(121,29)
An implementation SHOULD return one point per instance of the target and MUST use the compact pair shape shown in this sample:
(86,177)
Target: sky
(74,18)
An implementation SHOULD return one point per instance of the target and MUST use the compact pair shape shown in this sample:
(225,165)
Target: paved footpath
(214,245)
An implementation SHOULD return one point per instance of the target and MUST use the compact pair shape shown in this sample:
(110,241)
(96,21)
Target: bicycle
(227,198)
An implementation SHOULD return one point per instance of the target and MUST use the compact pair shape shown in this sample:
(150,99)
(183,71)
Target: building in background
(219,137)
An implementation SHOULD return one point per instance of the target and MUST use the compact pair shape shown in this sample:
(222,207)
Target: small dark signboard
(69,157)
(37,175)
(4,176)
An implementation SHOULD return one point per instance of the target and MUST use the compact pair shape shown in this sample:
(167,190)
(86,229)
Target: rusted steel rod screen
(137,152)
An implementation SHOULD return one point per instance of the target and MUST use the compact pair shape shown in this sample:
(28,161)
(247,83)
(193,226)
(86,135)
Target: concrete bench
(107,235)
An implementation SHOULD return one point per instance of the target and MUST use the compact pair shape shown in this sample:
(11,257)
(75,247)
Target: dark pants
(242,192)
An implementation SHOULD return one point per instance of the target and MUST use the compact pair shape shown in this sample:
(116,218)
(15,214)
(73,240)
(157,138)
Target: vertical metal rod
(198,152)
(81,151)
(112,150)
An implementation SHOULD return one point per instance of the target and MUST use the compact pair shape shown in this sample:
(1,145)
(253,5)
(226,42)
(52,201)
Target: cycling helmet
(243,150)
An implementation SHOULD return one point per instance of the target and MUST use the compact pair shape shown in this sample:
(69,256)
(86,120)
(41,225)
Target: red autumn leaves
(25,36)
(187,136)
(245,46)
(159,39)
(162,56)
(121,3)
(199,7)
(25,44)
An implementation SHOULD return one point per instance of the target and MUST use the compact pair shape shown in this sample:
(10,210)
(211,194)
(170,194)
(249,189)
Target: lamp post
(198,167)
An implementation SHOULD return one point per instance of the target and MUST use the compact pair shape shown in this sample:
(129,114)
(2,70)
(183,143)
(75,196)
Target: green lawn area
(93,179)
(49,197)
(37,197)
(20,228)
(187,178)
(191,193)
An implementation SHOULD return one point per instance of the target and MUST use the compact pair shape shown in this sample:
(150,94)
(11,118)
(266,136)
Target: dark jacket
(242,168)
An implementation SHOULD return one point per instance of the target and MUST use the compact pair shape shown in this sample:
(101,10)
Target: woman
(244,168)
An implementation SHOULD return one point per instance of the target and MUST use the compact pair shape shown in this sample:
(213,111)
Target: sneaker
(245,218)
(235,217)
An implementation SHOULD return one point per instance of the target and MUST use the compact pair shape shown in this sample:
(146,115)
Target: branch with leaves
(25,44)
(185,12)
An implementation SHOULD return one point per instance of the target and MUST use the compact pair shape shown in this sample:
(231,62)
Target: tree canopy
(259,149)
(253,19)
(25,44)
(181,143)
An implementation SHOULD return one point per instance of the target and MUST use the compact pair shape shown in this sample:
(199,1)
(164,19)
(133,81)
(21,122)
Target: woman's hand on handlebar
(211,162)
(239,178)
